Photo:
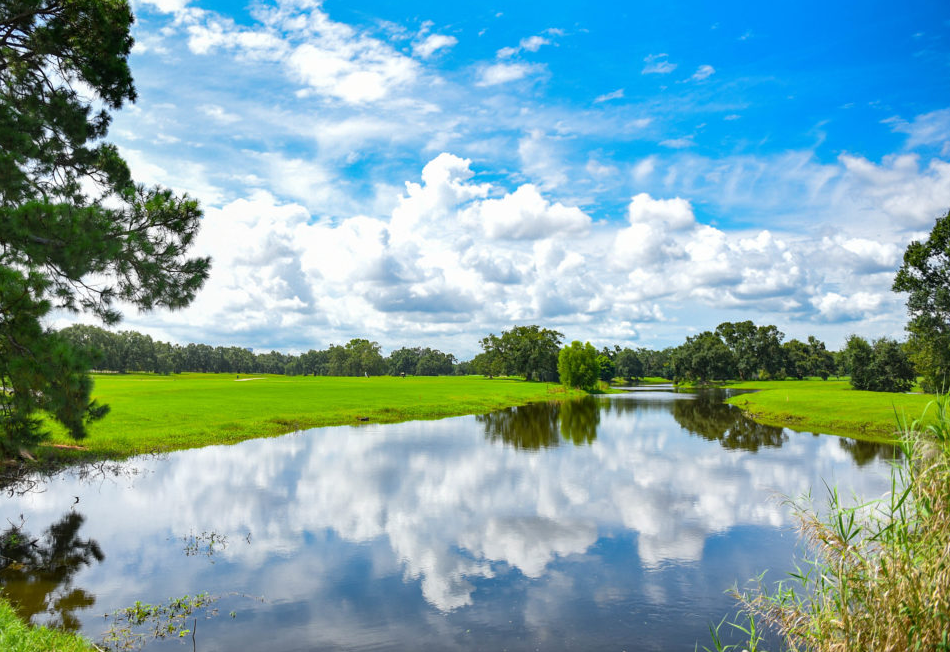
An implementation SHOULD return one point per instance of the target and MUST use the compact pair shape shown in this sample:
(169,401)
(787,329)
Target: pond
(615,522)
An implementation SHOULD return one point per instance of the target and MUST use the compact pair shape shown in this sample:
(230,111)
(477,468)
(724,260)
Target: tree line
(127,351)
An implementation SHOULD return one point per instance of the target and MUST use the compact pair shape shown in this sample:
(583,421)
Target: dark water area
(612,523)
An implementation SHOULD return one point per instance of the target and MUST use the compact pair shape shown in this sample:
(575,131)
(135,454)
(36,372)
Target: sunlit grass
(17,636)
(828,406)
(162,413)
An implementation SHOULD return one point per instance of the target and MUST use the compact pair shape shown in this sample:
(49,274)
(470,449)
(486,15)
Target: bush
(578,366)
(881,367)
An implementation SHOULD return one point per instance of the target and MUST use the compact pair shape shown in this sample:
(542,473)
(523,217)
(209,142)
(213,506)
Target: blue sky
(630,173)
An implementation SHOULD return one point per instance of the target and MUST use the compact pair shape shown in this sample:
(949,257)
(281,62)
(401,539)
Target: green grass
(17,636)
(162,413)
(829,406)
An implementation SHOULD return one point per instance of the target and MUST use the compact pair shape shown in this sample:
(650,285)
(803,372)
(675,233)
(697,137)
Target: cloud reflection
(453,503)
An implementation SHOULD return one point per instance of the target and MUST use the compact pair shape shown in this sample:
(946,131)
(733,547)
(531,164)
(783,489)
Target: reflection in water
(865,452)
(707,416)
(544,425)
(428,535)
(37,575)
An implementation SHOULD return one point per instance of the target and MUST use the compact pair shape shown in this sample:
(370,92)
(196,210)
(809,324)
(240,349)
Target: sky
(627,173)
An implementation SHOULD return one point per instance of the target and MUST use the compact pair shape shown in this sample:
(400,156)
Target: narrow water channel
(611,523)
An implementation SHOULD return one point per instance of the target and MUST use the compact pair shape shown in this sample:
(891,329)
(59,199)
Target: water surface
(612,523)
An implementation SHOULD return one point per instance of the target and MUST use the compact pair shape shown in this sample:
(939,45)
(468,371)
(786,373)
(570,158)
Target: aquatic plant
(876,575)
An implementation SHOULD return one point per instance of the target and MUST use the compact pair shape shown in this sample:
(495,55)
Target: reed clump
(876,575)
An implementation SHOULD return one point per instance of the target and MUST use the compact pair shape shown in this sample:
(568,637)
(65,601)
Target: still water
(613,523)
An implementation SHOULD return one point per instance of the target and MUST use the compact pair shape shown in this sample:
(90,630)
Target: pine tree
(75,232)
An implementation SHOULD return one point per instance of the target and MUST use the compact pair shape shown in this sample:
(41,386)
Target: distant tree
(657,363)
(607,368)
(363,358)
(528,351)
(629,365)
(925,276)
(702,358)
(820,361)
(578,366)
(403,361)
(881,367)
(797,358)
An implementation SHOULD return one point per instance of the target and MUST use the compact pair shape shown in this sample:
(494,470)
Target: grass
(162,413)
(17,636)
(877,576)
(828,406)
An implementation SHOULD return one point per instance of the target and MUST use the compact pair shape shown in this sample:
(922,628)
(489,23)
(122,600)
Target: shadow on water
(37,573)
(544,425)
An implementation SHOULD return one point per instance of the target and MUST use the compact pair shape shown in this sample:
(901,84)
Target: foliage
(419,361)
(75,232)
(606,368)
(629,365)
(881,367)
(756,350)
(702,358)
(527,351)
(925,275)
(17,636)
(878,575)
(578,366)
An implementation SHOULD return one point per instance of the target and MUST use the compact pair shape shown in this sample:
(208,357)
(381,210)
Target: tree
(881,367)
(577,365)
(528,351)
(629,365)
(925,275)
(75,232)
(703,357)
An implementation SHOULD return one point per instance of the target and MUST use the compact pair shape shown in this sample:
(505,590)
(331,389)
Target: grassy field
(163,413)
(830,406)
(17,636)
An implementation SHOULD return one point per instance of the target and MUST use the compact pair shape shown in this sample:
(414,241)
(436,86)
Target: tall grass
(876,576)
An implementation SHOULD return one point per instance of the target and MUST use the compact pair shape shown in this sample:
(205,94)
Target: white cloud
(606,97)
(432,44)
(678,143)
(703,72)
(533,43)
(658,64)
(927,129)
(502,73)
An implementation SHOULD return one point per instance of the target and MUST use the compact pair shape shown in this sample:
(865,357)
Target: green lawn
(830,406)
(17,636)
(162,413)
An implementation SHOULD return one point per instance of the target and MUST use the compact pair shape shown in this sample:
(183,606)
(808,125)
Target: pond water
(615,522)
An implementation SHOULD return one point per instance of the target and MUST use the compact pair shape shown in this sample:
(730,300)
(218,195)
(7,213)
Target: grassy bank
(17,636)
(830,406)
(163,413)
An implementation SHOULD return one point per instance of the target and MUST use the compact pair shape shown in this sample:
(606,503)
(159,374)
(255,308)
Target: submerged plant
(877,575)
(133,627)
